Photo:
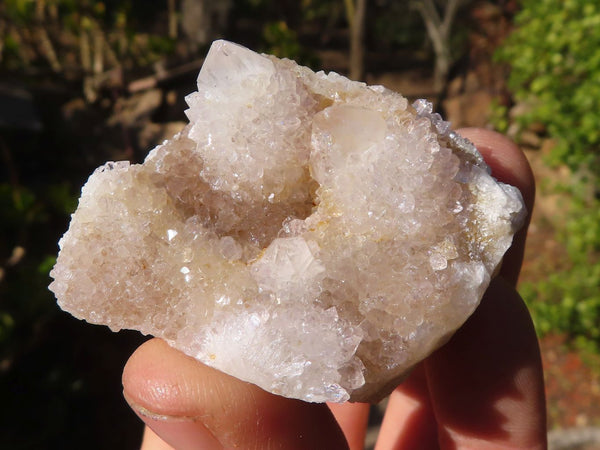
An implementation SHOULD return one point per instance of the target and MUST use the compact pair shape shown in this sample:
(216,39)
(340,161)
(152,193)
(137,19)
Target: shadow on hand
(487,383)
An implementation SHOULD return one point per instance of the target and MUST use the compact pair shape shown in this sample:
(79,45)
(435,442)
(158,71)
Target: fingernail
(180,432)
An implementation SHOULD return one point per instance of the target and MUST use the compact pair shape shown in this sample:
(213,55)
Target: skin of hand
(482,390)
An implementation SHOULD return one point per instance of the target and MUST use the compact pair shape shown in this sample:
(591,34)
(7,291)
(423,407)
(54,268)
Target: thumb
(190,405)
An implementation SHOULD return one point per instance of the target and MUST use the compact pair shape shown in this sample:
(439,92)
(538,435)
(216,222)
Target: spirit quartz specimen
(307,233)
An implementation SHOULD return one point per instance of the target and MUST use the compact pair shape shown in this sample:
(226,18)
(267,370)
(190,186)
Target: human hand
(482,390)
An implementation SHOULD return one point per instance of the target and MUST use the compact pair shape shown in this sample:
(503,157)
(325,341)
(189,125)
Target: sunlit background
(83,82)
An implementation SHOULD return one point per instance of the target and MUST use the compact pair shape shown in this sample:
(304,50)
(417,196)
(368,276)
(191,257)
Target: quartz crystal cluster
(307,233)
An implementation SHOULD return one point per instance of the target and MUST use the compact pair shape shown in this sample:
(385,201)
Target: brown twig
(152,81)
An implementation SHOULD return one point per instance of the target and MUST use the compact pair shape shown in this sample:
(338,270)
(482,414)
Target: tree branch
(449,15)
(349,7)
(432,23)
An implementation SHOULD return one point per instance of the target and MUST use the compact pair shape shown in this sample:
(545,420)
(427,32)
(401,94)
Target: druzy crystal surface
(307,233)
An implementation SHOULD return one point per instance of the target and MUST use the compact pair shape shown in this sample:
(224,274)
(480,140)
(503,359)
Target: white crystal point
(310,234)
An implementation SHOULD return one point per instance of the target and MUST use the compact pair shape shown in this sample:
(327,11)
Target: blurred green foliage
(401,27)
(58,376)
(53,368)
(554,56)
(75,33)
(25,213)
(281,41)
(569,301)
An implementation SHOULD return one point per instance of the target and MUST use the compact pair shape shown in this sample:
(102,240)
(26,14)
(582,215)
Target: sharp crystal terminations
(307,233)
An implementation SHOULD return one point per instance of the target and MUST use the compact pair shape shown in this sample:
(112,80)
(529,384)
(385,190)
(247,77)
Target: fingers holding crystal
(189,405)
